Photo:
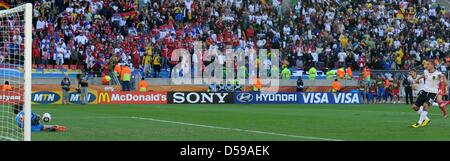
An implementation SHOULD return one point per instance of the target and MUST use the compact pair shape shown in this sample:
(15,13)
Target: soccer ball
(46,117)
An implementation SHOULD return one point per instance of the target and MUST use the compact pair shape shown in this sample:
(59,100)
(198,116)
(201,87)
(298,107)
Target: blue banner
(296,98)
(266,98)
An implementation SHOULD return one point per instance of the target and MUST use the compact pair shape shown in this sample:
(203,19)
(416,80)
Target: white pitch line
(236,129)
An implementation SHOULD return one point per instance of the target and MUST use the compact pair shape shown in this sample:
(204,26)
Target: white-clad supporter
(95,6)
(116,18)
(17,39)
(132,31)
(68,54)
(298,7)
(251,8)
(447,46)
(286,30)
(342,56)
(188,5)
(120,38)
(238,3)
(124,57)
(239,33)
(122,22)
(315,56)
(70,9)
(258,20)
(195,58)
(307,18)
(221,59)
(442,67)
(260,43)
(242,43)
(228,18)
(328,26)
(397,44)
(330,15)
(41,24)
(45,44)
(59,58)
(267,64)
(2,58)
(90,61)
(81,39)
(433,42)
(80,10)
(60,48)
(117,51)
(36,12)
(432,12)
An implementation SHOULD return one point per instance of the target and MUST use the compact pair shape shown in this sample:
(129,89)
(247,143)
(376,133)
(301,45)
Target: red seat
(41,66)
(65,66)
(49,66)
(73,67)
(58,66)
(34,66)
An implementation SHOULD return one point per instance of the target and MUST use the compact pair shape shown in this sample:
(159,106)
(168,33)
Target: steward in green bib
(312,73)
(330,74)
(286,73)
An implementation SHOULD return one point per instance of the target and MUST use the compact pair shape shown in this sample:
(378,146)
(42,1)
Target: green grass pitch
(241,122)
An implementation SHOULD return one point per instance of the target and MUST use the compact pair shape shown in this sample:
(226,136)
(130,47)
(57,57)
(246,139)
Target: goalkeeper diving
(36,125)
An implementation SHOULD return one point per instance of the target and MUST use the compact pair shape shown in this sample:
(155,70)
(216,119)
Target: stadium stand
(94,35)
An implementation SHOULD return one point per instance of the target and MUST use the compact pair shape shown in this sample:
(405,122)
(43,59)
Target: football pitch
(240,122)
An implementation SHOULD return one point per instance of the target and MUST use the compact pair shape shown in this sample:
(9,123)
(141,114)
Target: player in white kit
(428,94)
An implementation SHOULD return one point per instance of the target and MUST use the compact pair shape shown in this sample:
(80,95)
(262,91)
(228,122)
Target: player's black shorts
(425,97)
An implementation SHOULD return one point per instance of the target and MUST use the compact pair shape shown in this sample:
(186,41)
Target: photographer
(299,84)
(408,90)
(65,85)
(83,88)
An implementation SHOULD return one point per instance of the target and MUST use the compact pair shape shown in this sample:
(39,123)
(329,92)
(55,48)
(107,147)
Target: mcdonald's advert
(132,98)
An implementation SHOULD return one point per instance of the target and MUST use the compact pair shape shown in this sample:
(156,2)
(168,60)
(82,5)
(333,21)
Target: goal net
(15,73)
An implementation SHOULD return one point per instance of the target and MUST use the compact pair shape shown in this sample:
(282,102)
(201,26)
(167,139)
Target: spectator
(65,85)
(7,87)
(156,65)
(299,84)
(353,33)
(147,62)
(83,85)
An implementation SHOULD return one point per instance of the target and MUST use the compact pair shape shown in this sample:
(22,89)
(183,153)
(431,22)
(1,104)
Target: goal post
(15,72)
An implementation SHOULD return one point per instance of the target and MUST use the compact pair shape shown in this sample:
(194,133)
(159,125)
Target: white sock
(423,116)
(420,110)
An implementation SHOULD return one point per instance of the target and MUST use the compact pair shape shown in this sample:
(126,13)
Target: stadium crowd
(378,34)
